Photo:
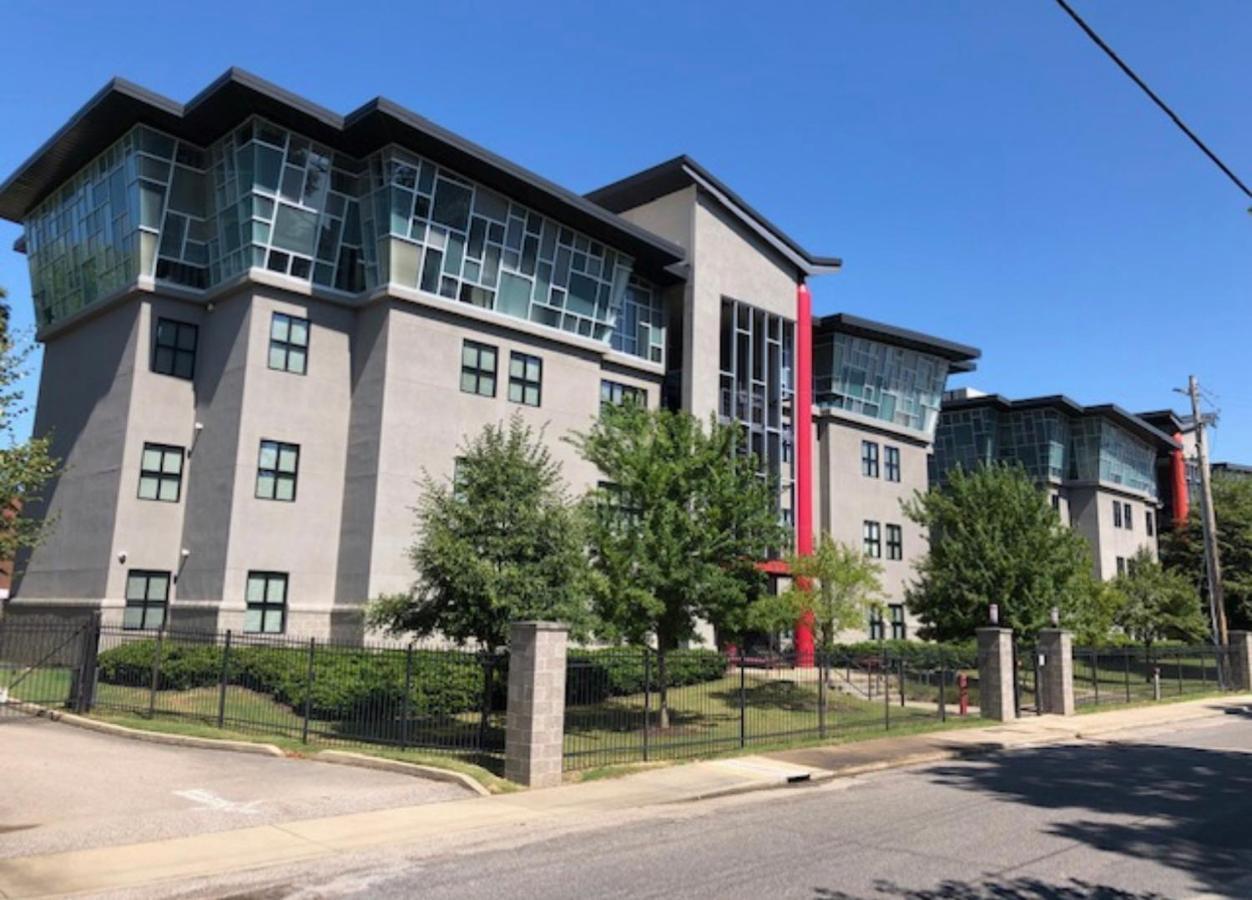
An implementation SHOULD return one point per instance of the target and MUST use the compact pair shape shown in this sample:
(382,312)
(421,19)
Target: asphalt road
(63,788)
(1159,815)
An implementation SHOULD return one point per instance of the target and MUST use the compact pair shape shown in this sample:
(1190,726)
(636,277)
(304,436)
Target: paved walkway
(256,847)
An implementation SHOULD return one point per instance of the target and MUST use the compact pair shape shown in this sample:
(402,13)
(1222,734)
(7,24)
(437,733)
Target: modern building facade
(1097,463)
(263,321)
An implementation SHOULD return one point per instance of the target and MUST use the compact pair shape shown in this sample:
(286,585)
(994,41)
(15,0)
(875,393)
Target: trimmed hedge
(619,671)
(917,654)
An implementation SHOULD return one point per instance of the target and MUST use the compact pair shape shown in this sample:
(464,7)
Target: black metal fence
(414,697)
(1119,675)
(629,705)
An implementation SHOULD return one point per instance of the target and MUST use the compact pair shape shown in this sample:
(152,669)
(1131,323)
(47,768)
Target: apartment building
(263,321)
(1097,463)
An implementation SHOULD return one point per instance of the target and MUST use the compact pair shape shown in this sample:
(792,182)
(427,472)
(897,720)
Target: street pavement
(63,788)
(1153,813)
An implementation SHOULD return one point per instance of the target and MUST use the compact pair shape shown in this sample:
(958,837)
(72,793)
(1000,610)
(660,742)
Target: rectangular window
(1149,522)
(1121,565)
(613,393)
(892,463)
(1117,514)
(276,469)
(899,631)
(1056,502)
(872,539)
(1128,517)
(478,369)
(876,629)
(525,378)
(147,596)
(289,344)
(869,459)
(174,348)
(895,542)
(267,603)
(161,473)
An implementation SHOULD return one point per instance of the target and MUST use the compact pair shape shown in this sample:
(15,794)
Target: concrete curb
(432,773)
(159,737)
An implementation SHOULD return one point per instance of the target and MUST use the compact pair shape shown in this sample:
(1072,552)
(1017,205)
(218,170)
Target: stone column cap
(538,625)
(993,629)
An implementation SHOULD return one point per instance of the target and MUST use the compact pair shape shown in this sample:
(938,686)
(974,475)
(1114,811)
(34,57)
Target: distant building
(1098,464)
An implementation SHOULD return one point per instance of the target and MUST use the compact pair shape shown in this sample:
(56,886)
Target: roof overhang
(683,171)
(960,357)
(1110,411)
(237,94)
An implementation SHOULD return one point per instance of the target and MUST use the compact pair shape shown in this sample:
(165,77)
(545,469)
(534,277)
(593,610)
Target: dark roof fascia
(1110,411)
(683,171)
(961,356)
(1232,468)
(238,94)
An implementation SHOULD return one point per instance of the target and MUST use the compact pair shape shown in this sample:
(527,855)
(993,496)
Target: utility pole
(1212,558)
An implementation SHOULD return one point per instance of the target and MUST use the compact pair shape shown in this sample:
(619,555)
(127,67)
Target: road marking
(212,802)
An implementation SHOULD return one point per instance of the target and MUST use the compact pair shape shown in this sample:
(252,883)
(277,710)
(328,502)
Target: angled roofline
(238,94)
(960,356)
(1167,417)
(1110,411)
(682,171)
(1232,468)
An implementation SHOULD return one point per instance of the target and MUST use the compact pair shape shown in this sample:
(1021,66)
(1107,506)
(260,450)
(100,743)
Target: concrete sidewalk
(111,868)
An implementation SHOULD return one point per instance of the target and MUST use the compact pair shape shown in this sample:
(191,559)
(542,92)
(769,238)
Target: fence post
(221,682)
(901,668)
(1240,660)
(535,724)
(308,692)
(406,707)
(156,671)
(1178,672)
(743,702)
(1156,683)
(886,689)
(996,675)
(1126,666)
(85,693)
(1055,694)
(1095,674)
(647,698)
(823,670)
(943,680)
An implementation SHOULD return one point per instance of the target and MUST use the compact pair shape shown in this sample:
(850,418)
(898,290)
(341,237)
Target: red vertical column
(1178,470)
(802,421)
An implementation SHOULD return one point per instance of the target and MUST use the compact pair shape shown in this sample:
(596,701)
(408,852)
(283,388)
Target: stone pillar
(1056,694)
(995,674)
(535,725)
(1241,660)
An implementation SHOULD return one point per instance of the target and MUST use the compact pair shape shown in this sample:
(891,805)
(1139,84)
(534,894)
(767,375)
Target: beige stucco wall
(1091,512)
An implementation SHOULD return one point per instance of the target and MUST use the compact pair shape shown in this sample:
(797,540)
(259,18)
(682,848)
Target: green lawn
(1108,679)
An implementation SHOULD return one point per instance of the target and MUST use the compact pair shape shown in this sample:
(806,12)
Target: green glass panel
(294,229)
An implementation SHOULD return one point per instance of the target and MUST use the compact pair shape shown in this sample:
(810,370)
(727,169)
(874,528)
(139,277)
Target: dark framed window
(147,598)
(174,348)
(276,470)
(1117,514)
(871,535)
(899,630)
(892,463)
(1121,565)
(478,368)
(1056,502)
(869,459)
(1149,522)
(877,631)
(161,473)
(614,393)
(267,603)
(289,344)
(525,379)
(1128,517)
(895,542)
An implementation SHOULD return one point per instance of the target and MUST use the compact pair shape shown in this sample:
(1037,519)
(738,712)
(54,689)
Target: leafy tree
(843,585)
(1156,603)
(773,613)
(26,466)
(496,544)
(1182,549)
(995,539)
(675,528)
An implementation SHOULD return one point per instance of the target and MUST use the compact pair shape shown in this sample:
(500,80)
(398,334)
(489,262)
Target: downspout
(1178,471)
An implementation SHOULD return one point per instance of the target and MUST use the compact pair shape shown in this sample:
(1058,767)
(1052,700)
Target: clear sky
(986,174)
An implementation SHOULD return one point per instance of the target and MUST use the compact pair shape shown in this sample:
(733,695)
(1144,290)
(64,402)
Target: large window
(878,380)
(1117,514)
(1128,517)
(161,473)
(147,597)
(895,542)
(267,603)
(174,348)
(478,369)
(869,459)
(525,378)
(892,463)
(277,466)
(899,630)
(1150,521)
(614,393)
(871,538)
(289,344)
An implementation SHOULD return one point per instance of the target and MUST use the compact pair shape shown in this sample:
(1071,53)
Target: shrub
(916,654)
(618,671)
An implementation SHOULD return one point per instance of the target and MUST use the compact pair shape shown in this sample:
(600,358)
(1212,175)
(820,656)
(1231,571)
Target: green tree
(843,586)
(497,543)
(1182,549)
(675,528)
(995,539)
(1157,604)
(26,466)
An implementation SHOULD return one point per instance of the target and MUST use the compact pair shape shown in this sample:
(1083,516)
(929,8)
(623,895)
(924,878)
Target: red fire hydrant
(962,685)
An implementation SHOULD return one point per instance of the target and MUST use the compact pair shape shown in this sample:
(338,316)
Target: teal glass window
(478,368)
(525,379)
(161,473)
(174,348)
(289,343)
(147,599)
(278,465)
(266,599)
(614,393)
(891,463)
(871,539)
(895,542)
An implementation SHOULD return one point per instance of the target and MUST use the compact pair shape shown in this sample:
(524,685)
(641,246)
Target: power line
(1155,99)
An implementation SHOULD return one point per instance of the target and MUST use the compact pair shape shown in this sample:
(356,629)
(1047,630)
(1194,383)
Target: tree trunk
(662,686)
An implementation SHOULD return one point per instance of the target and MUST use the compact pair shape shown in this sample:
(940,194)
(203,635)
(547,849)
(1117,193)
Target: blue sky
(985,173)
